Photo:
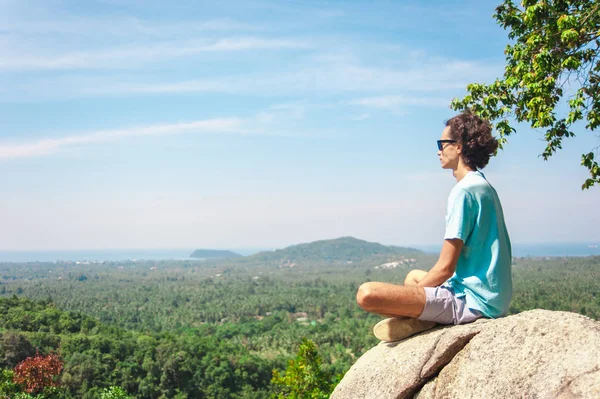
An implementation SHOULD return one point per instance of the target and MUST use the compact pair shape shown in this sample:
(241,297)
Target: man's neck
(461,171)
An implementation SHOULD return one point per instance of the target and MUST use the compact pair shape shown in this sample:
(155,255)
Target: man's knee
(413,277)
(366,295)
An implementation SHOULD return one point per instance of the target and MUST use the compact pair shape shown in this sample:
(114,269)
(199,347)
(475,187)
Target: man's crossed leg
(402,304)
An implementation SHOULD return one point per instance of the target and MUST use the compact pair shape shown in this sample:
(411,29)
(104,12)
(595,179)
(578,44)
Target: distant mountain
(339,249)
(213,254)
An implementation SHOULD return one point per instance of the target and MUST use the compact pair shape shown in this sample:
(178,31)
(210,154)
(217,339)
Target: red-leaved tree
(38,372)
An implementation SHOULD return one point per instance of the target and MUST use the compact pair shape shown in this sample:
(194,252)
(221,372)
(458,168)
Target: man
(472,277)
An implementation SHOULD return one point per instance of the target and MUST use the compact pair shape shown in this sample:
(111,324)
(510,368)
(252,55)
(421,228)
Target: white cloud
(325,77)
(46,146)
(397,101)
(360,117)
(19,59)
(50,22)
(274,120)
(286,112)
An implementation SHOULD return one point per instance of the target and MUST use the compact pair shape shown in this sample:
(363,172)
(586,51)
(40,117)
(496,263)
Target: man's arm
(445,266)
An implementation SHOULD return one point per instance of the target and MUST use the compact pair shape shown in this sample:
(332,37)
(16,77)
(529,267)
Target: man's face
(449,154)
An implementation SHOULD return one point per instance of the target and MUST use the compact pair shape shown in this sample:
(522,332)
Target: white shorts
(443,307)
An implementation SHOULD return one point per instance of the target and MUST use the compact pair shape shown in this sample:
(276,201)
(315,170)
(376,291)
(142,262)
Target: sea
(105,255)
(542,249)
(519,250)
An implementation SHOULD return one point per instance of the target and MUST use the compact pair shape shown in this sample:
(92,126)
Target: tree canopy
(552,75)
(175,332)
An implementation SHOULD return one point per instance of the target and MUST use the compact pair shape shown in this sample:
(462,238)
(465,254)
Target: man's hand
(445,266)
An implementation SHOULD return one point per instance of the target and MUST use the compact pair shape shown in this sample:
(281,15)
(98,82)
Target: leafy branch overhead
(554,58)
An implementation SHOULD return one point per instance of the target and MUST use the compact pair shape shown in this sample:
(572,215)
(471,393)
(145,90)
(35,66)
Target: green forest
(220,328)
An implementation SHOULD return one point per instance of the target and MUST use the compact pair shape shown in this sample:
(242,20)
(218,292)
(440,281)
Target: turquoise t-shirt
(483,272)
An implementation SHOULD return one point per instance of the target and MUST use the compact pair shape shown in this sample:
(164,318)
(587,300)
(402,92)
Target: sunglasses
(441,143)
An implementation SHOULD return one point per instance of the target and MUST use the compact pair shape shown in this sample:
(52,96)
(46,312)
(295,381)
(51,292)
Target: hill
(213,254)
(340,249)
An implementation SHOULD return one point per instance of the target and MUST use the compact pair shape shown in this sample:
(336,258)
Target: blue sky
(143,124)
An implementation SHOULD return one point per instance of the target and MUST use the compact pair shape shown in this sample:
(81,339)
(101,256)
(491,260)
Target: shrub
(38,372)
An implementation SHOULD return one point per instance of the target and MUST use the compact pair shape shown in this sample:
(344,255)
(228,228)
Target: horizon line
(267,247)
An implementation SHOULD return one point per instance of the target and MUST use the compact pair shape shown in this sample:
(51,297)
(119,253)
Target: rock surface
(535,354)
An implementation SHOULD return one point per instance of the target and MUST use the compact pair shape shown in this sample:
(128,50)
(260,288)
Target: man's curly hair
(475,136)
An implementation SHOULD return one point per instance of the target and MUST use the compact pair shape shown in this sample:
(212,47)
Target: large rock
(535,354)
